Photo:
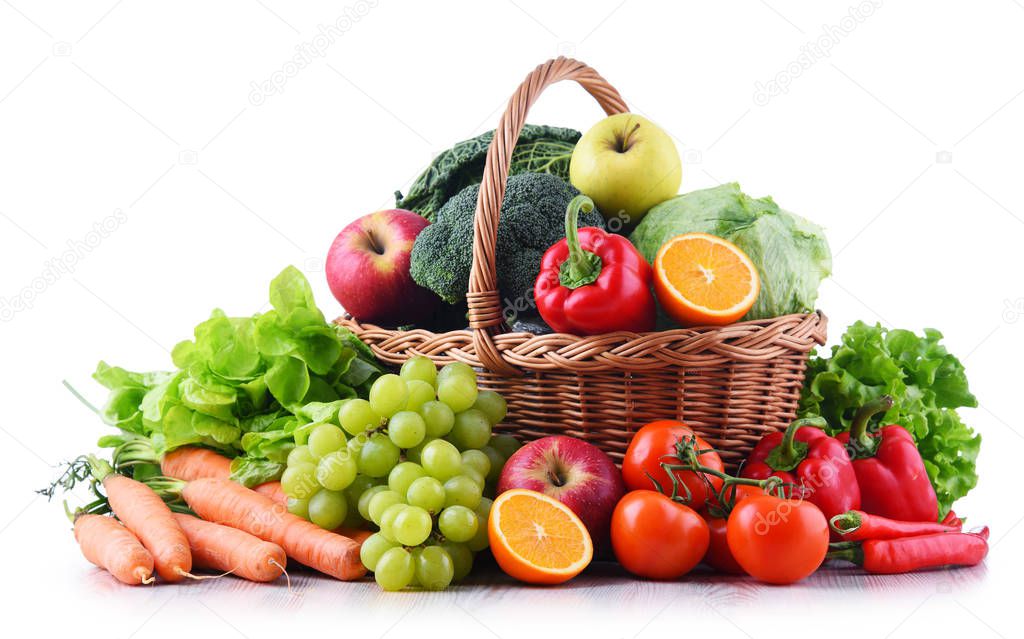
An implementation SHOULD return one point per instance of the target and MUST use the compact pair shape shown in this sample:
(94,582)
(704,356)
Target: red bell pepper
(593,281)
(893,480)
(813,466)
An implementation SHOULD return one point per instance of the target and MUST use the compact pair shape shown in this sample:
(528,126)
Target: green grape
(388,518)
(403,475)
(491,404)
(337,470)
(462,491)
(299,481)
(477,460)
(456,369)
(419,394)
(480,539)
(394,569)
(363,505)
(381,501)
(505,444)
(497,462)
(373,548)
(300,455)
(441,460)
(325,438)
(415,552)
(426,493)
(474,474)
(328,508)
(457,391)
(471,430)
(355,445)
(388,395)
(298,507)
(419,368)
(438,417)
(378,456)
(434,568)
(462,559)
(355,416)
(355,490)
(483,509)
(458,523)
(414,454)
(406,429)
(412,526)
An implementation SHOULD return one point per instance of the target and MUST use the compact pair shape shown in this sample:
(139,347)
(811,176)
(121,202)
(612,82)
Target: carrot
(225,502)
(357,535)
(143,512)
(108,544)
(231,550)
(190,462)
(273,490)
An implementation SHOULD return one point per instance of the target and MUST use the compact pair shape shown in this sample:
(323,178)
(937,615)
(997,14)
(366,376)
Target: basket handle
(485,316)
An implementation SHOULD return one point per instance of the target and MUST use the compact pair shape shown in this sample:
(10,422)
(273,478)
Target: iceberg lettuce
(791,254)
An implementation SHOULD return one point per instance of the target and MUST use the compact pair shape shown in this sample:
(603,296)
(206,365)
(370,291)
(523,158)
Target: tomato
(778,541)
(657,538)
(736,493)
(656,443)
(719,556)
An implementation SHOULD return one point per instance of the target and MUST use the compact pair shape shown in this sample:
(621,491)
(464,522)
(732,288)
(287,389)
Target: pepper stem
(846,523)
(788,454)
(852,554)
(581,267)
(862,444)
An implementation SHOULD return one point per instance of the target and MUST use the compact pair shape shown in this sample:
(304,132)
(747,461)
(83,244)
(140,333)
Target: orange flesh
(541,534)
(707,274)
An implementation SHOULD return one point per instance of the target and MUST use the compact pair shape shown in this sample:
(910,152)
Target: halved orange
(537,539)
(701,279)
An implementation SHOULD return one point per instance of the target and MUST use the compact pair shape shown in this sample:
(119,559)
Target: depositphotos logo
(307,52)
(61,266)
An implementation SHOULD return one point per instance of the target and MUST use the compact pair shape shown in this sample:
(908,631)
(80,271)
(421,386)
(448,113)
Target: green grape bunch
(418,462)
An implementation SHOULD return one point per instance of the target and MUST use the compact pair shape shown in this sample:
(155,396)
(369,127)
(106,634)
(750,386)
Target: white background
(904,143)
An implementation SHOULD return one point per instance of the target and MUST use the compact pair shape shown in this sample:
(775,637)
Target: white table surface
(602,602)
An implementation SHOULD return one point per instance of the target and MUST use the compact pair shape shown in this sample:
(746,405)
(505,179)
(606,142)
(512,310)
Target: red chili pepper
(813,466)
(893,480)
(857,525)
(891,556)
(951,519)
(593,281)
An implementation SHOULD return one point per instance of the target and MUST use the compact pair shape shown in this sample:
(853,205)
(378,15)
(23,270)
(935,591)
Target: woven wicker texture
(730,384)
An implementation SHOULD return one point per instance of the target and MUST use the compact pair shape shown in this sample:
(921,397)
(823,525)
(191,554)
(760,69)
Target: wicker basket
(730,384)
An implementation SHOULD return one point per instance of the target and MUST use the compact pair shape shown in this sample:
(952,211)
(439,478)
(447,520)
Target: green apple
(626,164)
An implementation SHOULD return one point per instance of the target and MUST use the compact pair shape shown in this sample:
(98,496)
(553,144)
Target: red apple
(368,269)
(578,474)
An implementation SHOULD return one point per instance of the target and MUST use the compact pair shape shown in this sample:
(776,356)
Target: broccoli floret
(532,219)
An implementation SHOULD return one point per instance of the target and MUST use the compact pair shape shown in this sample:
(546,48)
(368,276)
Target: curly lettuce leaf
(241,381)
(250,471)
(928,384)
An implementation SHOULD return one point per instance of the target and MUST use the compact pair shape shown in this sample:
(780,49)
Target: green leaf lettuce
(928,384)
